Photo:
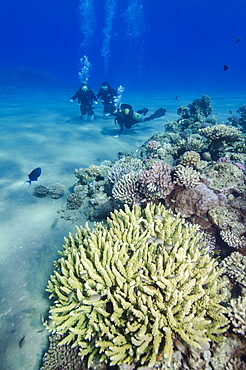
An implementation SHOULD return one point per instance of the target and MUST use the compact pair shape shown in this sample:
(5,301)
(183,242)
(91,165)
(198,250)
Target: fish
(96,297)
(230,111)
(225,67)
(153,239)
(158,217)
(22,341)
(33,176)
(70,296)
(177,98)
(168,246)
(237,40)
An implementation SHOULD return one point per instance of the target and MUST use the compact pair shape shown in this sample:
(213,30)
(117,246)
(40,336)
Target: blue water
(153,45)
(157,50)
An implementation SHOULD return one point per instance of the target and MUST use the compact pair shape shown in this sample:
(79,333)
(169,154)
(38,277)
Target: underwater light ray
(110,9)
(88,21)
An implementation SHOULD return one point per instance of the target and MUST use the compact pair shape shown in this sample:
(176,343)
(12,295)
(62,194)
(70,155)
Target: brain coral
(122,292)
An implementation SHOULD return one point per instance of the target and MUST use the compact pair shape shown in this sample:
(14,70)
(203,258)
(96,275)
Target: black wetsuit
(85,99)
(127,121)
(107,99)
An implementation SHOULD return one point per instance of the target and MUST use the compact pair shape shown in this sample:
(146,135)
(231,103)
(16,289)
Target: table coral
(222,132)
(122,292)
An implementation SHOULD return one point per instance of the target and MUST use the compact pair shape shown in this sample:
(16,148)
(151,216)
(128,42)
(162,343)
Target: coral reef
(74,201)
(236,313)
(200,108)
(61,357)
(197,200)
(122,292)
(122,167)
(190,159)
(232,239)
(222,132)
(223,138)
(40,191)
(242,120)
(126,188)
(235,364)
(93,172)
(186,176)
(195,115)
(225,177)
(153,145)
(196,143)
(54,191)
(235,267)
(156,182)
(226,354)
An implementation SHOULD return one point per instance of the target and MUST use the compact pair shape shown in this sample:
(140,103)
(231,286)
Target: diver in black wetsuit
(86,97)
(126,117)
(107,95)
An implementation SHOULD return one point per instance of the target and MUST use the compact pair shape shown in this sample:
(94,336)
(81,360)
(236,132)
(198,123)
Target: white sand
(42,129)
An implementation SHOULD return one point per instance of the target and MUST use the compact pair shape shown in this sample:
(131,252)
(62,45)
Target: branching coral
(122,292)
(123,167)
(156,182)
(232,239)
(153,145)
(235,267)
(236,312)
(190,159)
(126,188)
(186,176)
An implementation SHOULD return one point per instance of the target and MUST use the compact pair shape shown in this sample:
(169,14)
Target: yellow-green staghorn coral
(122,292)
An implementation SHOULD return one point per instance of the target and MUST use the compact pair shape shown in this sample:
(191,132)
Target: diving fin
(159,113)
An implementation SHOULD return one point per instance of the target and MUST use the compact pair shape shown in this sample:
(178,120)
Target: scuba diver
(86,97)
(107,95)
(126,117)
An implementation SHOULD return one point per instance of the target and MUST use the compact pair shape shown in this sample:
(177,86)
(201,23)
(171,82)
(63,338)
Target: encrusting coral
(123,292)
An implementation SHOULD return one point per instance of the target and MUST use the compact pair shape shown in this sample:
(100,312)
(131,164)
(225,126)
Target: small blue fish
(33,176)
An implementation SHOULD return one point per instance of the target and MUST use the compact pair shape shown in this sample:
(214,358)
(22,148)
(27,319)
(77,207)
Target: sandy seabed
(41,129)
